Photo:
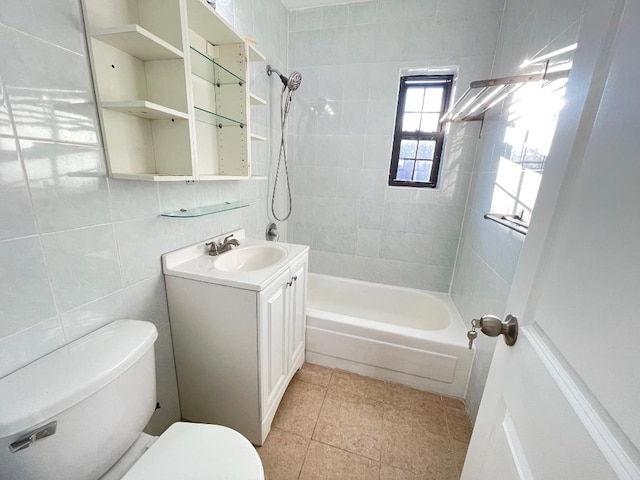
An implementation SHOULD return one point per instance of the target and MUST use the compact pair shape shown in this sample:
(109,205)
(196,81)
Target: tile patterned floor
(337,425)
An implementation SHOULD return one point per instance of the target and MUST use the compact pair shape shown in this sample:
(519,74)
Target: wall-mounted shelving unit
(484,94)
(172,90)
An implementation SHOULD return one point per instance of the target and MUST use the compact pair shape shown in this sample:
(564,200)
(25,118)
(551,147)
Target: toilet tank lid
(47,387)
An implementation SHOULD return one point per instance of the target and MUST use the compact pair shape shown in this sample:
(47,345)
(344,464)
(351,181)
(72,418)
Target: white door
(564,401)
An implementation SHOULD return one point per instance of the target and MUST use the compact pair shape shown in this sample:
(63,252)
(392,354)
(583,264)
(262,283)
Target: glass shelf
(201,66)
(212,118)
(208,210)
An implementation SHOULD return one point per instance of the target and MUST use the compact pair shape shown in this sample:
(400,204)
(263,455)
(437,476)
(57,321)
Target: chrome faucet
(224,246)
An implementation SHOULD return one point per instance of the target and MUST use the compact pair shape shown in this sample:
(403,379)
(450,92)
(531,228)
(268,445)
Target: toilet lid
(196,451)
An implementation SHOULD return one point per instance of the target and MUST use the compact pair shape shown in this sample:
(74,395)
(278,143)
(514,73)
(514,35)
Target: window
(419,134)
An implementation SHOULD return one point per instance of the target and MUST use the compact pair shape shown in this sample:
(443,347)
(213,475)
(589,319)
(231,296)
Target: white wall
(489,252)
(341,128)
(77,249)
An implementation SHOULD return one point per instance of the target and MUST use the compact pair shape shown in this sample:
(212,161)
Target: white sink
(248,259)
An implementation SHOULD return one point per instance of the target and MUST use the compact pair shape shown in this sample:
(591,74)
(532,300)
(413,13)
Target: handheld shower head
(292,83)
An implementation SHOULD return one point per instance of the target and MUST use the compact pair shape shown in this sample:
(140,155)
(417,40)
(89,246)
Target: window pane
(423,171)
(414,99)
(411,122)
(418,137)
(426,149)
(408,149)
(405,170)
(429,122)
(432,100)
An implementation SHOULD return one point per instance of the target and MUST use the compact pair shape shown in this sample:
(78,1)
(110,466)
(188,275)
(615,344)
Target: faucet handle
(226,238)
(213,248)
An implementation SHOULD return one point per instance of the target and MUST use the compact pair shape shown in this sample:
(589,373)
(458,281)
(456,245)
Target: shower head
(292,83)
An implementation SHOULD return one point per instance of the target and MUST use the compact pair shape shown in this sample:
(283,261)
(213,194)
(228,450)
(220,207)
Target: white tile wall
(83,265)
(26,295)
(68,184)
(78,250)
(489,253)
(342,130)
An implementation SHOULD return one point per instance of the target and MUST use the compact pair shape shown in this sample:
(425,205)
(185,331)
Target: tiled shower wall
(489,252)
(77,249)
(341,130)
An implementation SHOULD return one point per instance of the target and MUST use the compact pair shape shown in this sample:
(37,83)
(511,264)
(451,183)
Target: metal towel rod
(514,222)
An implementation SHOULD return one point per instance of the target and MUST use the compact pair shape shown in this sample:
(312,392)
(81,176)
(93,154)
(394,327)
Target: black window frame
(438,81)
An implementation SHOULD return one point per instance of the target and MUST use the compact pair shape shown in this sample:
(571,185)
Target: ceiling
(300,4)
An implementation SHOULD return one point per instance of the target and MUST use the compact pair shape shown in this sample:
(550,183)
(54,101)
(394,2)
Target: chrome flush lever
(492,326)
(37,434)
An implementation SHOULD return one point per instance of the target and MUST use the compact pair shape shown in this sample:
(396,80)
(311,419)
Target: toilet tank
(101,392)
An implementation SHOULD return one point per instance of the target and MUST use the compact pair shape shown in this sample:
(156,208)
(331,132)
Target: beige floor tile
(358,385)
(282,455)
(423,423)
(352,423)
(455,415)
(409,452)
(324,462)
(407,397)
(299,408)
(388,472)
(459,453)
(450,402)
(417,441)
(460,432)
(315,374)
(338,425)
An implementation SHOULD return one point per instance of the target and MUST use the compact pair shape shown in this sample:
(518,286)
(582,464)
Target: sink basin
(248,259)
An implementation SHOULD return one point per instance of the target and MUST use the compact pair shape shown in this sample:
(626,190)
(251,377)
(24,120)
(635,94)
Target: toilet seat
(197,451)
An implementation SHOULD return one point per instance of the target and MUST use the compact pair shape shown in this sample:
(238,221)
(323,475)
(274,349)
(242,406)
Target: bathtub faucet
(225,245)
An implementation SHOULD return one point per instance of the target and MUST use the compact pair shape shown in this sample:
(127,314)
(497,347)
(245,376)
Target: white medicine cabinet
(172,87)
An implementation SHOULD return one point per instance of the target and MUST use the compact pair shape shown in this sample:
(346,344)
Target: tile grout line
(450,446)
(339,448)
(306,453)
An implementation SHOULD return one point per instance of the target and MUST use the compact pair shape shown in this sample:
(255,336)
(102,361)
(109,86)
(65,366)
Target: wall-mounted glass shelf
(208,69)
(212,118)
(208,210)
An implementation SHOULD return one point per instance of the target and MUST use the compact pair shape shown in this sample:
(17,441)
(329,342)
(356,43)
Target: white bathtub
(403,335)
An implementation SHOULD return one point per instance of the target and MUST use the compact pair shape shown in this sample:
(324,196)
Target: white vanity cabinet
(237,346)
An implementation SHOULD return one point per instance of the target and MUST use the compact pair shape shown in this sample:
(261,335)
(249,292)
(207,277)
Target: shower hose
(285,104)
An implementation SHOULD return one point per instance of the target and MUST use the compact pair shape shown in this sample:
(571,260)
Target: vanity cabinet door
(273,343)
(297,314)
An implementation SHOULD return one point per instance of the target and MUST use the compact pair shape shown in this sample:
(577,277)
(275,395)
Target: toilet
(78,414)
